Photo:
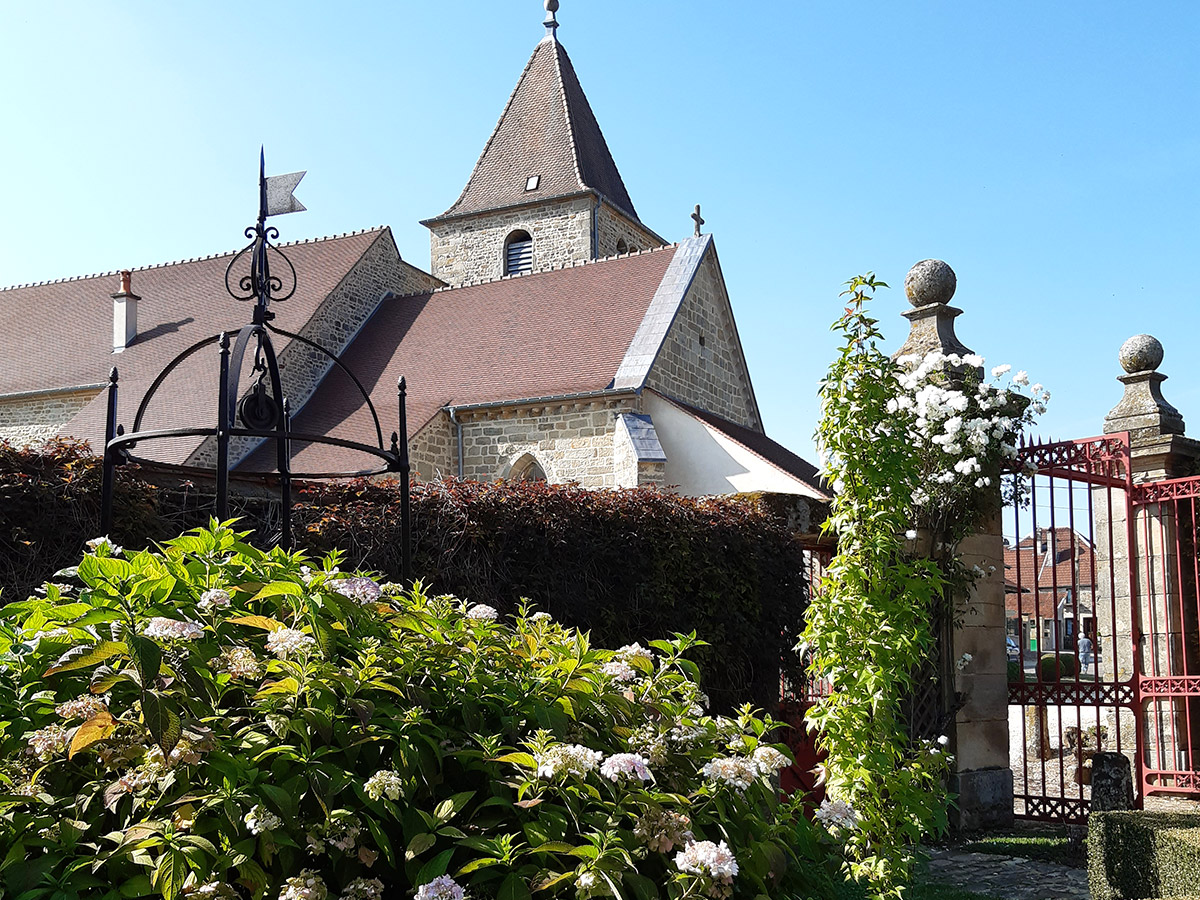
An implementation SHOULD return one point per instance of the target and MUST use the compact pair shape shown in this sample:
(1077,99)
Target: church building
(555,336)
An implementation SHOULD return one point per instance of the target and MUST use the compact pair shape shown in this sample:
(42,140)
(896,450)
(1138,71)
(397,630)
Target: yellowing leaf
(98,728)
(264,622)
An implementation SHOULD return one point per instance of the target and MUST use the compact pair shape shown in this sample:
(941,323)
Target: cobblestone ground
(1007,876)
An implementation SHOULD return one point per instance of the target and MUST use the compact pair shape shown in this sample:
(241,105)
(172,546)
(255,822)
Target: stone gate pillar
(1155,620)
(979,733)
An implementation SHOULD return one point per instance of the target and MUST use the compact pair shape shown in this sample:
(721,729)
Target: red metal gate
(1101,596)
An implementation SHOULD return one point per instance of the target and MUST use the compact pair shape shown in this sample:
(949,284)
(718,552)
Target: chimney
(125,304)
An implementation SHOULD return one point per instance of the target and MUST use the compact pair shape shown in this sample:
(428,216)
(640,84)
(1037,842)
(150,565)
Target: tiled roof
(547,334)
(1042,570)
(761,445)
(548,130)
(59,333)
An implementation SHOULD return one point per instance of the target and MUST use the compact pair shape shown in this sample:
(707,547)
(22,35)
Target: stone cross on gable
(699,221)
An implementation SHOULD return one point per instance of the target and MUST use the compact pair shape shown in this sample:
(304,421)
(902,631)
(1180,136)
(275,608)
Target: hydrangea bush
(913,448)
(210,720)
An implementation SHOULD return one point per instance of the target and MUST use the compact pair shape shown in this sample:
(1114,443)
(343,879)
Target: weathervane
(262,413)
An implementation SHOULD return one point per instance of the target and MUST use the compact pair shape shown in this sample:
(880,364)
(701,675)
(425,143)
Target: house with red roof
(554,336)
(1049,589)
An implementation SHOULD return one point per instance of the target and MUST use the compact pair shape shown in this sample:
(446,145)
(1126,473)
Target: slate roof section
(643,350)
(762,446)
(60,333)
(643,437)
(547,129)
(553,333)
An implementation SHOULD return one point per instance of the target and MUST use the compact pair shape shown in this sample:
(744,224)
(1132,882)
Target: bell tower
(545,191)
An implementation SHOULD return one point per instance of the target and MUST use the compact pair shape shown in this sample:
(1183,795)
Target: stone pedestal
(1112,782)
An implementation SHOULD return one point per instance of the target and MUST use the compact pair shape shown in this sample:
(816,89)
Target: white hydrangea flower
(482,613)
(215,598)
(705,858)
(240,662)
(285,642)
(625,766)
(359,588)
(635,651)
(83,707)
(363,889)
(308,885)
(260,819)
(619,670)
(837,814)
(736,771)
(385,781)
(662,829)
(164,629)
(102,542)
(47,743)
(570,759)
(540,617)
(441,888)
(911,534)
(769,760)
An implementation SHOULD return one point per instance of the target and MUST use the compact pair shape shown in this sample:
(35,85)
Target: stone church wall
(712,377)
(614,226)
(34,418)
(431,450)
(335,323)
(472,249)
(571,442)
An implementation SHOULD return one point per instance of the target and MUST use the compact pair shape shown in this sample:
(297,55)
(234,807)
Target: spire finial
(551,23)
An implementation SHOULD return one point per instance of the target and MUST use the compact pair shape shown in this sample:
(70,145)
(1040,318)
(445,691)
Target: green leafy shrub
(1142,854)
(215,721)
(626,565)
(1055,667)
(1015,671)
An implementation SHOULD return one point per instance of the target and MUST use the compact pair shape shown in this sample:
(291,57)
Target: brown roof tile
(1040,573)
(547,129)
(59,333)
(547,334)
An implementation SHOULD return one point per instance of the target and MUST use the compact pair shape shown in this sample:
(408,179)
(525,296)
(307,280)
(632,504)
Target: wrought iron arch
(263,412)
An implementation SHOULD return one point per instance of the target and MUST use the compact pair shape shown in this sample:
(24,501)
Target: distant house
(555,336)
(1049,593)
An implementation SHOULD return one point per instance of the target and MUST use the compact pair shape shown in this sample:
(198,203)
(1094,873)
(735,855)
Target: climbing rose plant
(913,449)
(210,720)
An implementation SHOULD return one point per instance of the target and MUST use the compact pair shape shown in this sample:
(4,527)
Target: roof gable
(554,333)
(547,130)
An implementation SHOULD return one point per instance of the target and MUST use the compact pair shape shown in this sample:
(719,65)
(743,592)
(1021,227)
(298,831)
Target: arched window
(518,253)
(527,469)
(622,247)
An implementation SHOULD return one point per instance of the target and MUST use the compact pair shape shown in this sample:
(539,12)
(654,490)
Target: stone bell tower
(545,192)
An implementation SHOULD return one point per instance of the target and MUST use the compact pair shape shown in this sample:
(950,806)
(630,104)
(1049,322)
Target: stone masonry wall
(35,418)
(431,450)
(712,377)
(334,324)
(472,249)
(571,442)
(614,226)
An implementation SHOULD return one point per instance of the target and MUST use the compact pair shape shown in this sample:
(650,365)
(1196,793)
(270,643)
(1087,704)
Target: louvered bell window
(518,253)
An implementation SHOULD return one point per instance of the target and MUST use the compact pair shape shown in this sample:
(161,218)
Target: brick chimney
(125,305)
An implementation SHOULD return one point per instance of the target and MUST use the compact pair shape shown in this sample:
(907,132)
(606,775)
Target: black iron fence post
(224,423)
(405,472)
(109,470)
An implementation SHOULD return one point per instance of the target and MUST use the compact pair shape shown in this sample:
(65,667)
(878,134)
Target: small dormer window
(518,253)
(622,247)
(532,182)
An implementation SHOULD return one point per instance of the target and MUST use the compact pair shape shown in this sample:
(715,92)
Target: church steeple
(546,152)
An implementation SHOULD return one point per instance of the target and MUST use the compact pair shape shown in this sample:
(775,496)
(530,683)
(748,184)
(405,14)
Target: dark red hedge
(630,565)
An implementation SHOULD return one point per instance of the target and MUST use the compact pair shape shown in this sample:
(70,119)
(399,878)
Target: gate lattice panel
(1069,604)
(1102,582)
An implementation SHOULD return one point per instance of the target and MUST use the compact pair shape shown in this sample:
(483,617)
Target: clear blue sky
(1050,152)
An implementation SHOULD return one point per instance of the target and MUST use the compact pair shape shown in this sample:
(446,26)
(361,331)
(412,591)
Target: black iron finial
(112,375)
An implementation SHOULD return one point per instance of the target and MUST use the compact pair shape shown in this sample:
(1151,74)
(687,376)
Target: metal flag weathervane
(260,414)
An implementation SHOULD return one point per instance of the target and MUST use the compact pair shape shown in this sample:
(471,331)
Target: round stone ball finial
(1141,353)
(551,6)
(930,281)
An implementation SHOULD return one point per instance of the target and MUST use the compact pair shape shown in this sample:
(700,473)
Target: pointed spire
(551,22)
(547,143)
